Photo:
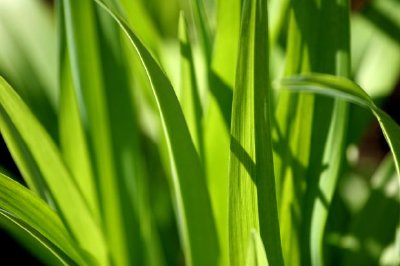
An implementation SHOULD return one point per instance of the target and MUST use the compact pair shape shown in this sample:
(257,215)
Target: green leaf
(252,196)
(33,242)
(226,42)
(329,85)
(384,15)
(221,72)
(40,154)
(217,117)
(34,223)
(27,57)
(139,18)
(198,20)
(193,203)
(346,89)
(371,47)
(310,130)
(190,98)
(279,11)
(141,243)
(86,39)
(73,143)
(256,253)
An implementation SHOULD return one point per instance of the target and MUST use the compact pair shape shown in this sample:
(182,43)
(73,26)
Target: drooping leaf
(346,89)
(310,130)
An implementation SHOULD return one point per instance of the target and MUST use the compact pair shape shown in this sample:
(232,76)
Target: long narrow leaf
(33,241)
(310,129)
(84,43)
(256,253)
(32,220)
(27,58)
(54,175)
(189,181)
(218,115)
(345,89)
(73,144)
(132,188)
(190,98)
(252,196)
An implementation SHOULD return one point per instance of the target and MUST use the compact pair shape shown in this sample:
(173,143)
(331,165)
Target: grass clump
(200,132)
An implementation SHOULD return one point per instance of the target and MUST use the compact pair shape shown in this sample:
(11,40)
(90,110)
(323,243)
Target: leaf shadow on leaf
(243,156)
(314,35)
(289,163)
(223,95)
(311,174)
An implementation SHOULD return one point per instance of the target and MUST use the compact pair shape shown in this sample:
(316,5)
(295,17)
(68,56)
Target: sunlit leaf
(252,196)
(35,223)
(346,89)
(41,161)
(193,202)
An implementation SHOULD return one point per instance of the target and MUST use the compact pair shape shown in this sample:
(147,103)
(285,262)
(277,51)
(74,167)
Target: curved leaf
(193,202)
(42,154)
(343,88)
(31,219)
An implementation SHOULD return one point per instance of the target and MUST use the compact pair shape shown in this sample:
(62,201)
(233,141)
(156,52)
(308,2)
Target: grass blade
(34,242)
(256,253)
(218,115)
(190,98)
(85,43)
(189,180)
(311,129)
(73,143)
(226,42)
(27,57)
(46,159)
(139,18)
(132,187)
(252,197)
(34,222)
(345,89)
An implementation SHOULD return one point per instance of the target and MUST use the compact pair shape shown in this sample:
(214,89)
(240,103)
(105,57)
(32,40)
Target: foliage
(203,132)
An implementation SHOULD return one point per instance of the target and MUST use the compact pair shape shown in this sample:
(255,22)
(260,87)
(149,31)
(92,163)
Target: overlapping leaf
(345,89)
(252,196)
(33,222)
(41,161)
(193,202)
